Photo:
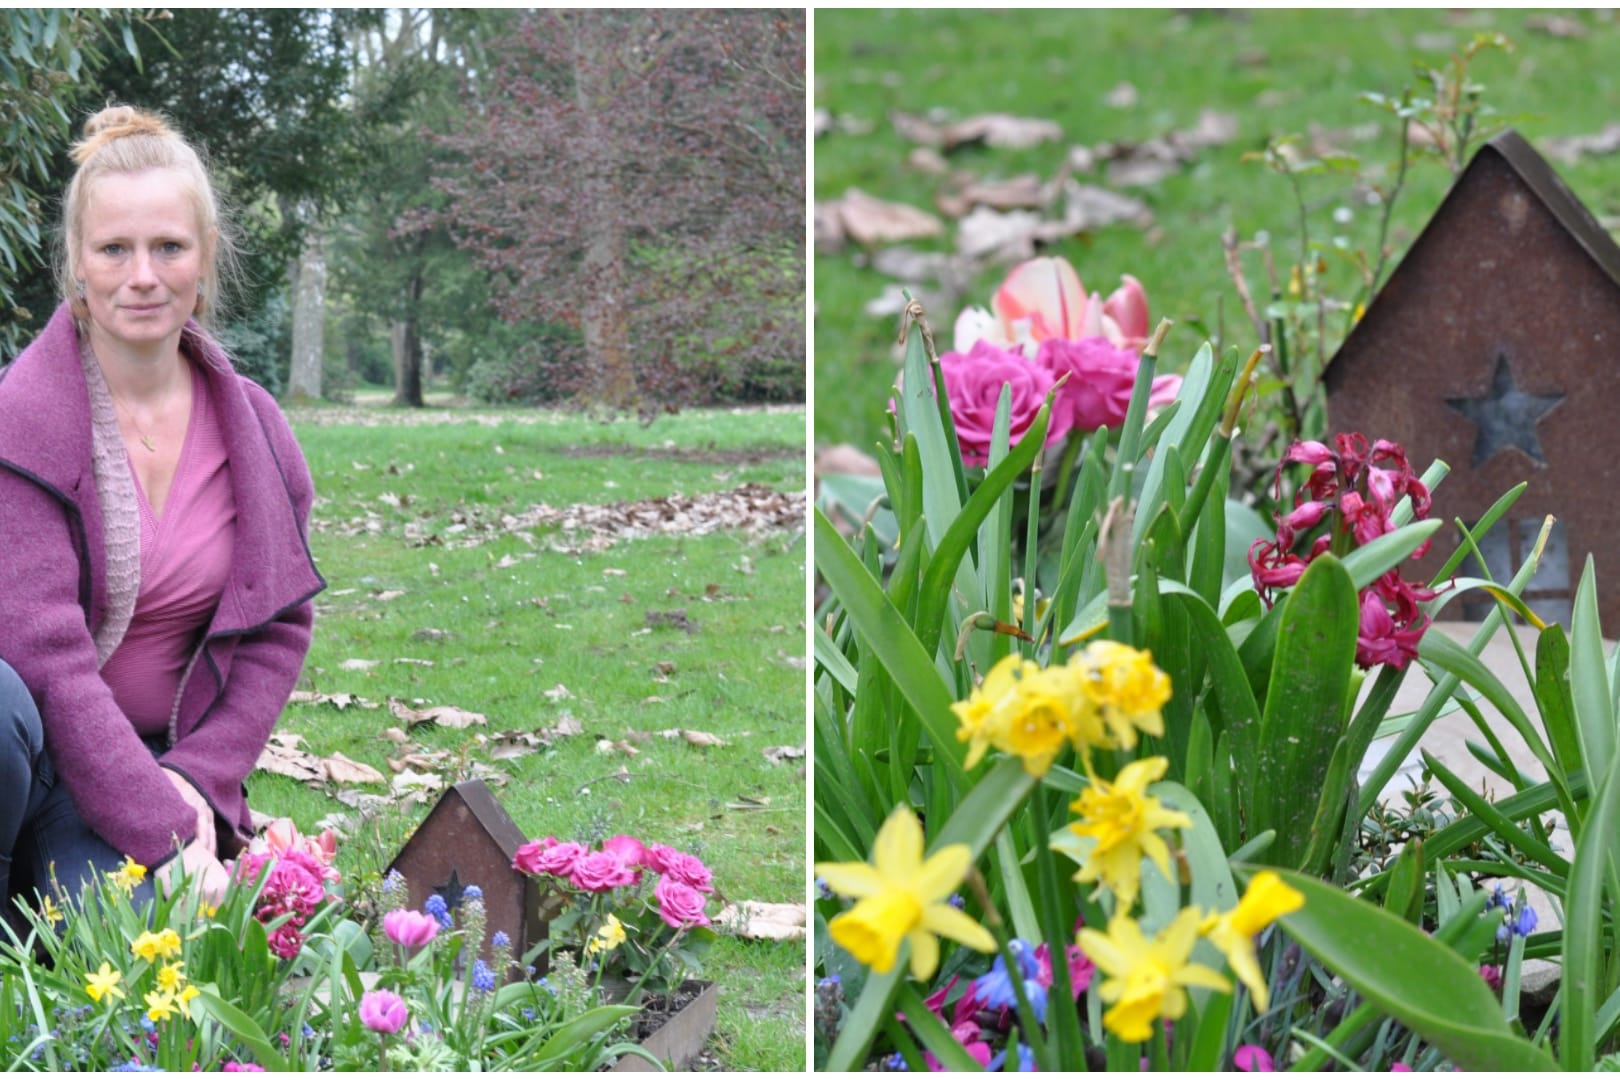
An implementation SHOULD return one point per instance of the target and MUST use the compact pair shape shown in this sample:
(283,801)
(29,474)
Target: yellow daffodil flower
(49,911)
(160,1005)
(171,976)
(1123,817)
(1147,979)
(126,877)
(150,946)
(98,984)
(974,715)
(1028,711)
(1127,689)
(607,938)
(902,897)
(1266,900)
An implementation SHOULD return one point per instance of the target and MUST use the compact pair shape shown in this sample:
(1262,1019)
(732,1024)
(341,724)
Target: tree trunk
(309,318)
(406,339)
(603,307)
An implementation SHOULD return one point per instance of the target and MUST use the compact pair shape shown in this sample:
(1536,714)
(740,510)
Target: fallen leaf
(343,770)
(390,594)
(358,665)
(609,746)
(288,761)
(558,693)
(395,735)
(409,660)
(778,754)
(871,221)
(567,724)
(1124,95)
(415,783)
(665,667)
(613,571)
(696,738)
(442,715)
(761,921)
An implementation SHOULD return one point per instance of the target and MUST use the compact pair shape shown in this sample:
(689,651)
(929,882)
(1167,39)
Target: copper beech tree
(639,176)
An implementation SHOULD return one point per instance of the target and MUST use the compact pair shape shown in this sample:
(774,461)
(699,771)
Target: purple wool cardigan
(54,596)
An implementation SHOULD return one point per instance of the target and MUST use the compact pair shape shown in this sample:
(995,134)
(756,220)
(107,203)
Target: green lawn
(1278,72)
(451,607)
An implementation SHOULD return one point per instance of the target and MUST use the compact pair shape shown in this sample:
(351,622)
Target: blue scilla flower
(1026,1060)
(895,1062)
(1526,922)
(822,891)
(956,901)
(1498,899)
(995,986)
(501,940)
(147,1025)
(472,892)
(483,977)
(436,907)
(133,1066)
(528,1014)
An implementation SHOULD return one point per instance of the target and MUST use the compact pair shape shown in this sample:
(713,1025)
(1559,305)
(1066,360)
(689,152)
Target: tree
(640,175)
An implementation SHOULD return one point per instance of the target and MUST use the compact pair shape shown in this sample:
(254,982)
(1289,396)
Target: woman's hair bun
(117,122)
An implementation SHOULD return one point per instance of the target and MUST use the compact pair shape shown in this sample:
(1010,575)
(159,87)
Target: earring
(78,287)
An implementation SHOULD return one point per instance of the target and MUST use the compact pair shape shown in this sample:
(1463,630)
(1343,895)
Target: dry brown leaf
(665,667)
(390,594)
(358,665)
(567,724)
(288,761)
(339,701)
(411,660)
(870,221)
(442,715)
(343,770)
(558,693)
(761,921)
(395,735)
(778,754)
(411,782)
(696,738)
(609,746)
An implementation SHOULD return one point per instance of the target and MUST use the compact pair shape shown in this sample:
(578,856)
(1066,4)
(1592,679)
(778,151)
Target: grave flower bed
(281,976)
(1086,756)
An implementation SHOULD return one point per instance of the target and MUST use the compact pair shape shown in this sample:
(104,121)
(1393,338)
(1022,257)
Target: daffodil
(1028,711)
(171,976)
(127,876)
(1266,900)
(160,1005)
(1147,979)
(49,911)
(607,938)
(1123,818)
(150,946)
(1127,689)
(903,897)
(185,994)
(975,714)
(98,984)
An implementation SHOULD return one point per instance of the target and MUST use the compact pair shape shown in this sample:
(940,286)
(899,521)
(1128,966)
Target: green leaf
(1304,710)
(887,636)
(239,1024)
(871,1010)
(1597,853)
(1554,701)
(1371,561)
(1589,677)
(1420,982)
(1498,822)
(994,798)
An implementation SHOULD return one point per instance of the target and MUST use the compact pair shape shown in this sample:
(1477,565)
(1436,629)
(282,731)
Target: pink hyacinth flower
(412,929)
(383,1011)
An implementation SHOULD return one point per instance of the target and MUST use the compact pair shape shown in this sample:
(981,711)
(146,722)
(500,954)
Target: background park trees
(563,206)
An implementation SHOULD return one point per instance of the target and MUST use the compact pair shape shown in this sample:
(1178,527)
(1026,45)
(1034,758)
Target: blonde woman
(155,577)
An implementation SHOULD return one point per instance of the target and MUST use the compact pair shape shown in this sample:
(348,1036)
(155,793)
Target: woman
(155,577)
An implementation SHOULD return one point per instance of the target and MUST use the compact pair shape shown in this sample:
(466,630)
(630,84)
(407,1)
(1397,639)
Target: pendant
(146,441)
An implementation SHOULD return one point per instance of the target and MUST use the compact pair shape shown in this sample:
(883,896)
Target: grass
(1277,71)
(401,497)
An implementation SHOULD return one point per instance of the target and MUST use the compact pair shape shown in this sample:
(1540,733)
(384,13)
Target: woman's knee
(21,732)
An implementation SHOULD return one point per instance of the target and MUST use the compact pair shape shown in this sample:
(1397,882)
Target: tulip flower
(412,929)
(383,1011)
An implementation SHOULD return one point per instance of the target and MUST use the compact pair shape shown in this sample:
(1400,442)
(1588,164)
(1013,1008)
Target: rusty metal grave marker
(1495,347)
(468,839)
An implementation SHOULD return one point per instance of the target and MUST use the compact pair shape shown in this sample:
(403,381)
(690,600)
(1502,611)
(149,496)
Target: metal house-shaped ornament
(1495,347)
(468,839)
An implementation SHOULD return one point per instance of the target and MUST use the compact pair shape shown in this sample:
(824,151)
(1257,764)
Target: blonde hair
(123,139)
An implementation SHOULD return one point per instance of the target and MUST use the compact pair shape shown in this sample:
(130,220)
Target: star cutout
(451,891)
(1506,416)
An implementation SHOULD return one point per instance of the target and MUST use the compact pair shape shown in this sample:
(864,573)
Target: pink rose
(974,381)
(559,859)
(295,884)
(412,929)
(688,870)
(656,857)
(679,904)
(285,940)
(527,858)
(600,871)
(629,850)
(1101,377)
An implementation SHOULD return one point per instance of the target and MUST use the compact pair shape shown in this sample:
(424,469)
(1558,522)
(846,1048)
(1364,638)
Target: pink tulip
(1040,299)
(1251,1058)
(282,836)
(1127,309)
(383,1011)
(412,929)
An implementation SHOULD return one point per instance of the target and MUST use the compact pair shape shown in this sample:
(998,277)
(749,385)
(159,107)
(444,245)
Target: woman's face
(140,255)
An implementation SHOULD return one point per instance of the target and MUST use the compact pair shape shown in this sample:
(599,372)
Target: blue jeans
(41,832)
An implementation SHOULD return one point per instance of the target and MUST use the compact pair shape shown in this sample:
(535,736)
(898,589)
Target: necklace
(146,439)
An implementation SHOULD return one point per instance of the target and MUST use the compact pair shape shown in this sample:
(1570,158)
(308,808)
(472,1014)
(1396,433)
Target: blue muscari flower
(956,901)
(147,1025)
(393,883)
(544,983)
(436,907)
(995,986)
(1026,1060)
(528,1014)
(483,977)
(832,980)
(133,1066)
(1526,921)
(895,1062)
(501,940)
(472,892)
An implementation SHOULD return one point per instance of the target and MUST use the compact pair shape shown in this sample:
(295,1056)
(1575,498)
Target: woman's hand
(202,866)
(205,837)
